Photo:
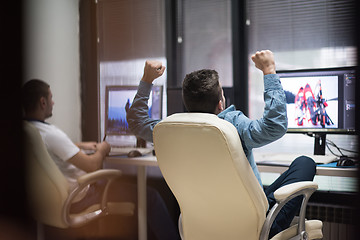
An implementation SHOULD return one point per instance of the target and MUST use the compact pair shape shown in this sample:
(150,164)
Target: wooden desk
(141,163)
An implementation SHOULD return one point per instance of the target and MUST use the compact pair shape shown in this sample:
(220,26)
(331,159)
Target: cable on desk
(331,143)
(342,156)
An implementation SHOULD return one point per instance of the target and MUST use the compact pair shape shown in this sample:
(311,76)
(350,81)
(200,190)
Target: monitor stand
(320,143)
(140,143)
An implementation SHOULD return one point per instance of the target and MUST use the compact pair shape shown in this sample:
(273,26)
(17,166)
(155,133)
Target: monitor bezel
(109,88)
(311,131)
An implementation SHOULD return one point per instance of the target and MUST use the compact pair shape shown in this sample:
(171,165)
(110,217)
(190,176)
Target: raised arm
(137,116)
(273,124)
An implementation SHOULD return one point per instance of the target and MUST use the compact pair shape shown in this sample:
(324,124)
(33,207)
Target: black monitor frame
(320,133)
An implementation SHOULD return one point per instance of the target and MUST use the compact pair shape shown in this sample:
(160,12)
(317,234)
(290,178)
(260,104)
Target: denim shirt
(253,133)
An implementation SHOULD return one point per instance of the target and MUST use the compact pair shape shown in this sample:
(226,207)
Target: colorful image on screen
(312,102)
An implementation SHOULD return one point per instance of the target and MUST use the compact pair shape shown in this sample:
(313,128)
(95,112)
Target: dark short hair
(32,91)
(201,91)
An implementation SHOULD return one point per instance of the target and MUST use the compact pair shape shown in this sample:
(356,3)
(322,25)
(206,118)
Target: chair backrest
(47,187)
(202,161)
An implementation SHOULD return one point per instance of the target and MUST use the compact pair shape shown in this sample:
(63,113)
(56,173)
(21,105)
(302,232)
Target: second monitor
(119,99)
(320,100)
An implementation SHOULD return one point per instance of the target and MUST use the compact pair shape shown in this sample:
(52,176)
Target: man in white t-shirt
(72,162)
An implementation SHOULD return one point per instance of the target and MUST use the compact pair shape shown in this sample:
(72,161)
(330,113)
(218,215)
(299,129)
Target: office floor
(107,228)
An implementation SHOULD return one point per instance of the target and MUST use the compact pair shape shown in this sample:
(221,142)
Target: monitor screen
(118,99)
(320,100)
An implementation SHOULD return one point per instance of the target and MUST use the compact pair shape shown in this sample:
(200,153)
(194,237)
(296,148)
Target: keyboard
(287,158)
(119,151)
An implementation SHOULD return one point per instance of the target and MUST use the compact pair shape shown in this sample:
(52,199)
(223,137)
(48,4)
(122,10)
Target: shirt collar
(34,120)
(229,109)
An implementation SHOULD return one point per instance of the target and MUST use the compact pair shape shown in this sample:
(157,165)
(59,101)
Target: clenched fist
(264,60)
(152,70)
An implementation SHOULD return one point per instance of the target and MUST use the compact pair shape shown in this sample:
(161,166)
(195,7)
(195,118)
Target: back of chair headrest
(46,185)
(202,160)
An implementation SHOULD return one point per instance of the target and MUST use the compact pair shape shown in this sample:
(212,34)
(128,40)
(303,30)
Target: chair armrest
(83,182)
(282,196)
(97,175)
(286,191)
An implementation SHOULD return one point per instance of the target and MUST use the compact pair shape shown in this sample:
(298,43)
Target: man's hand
(264,60)
(103,147)
(152,70)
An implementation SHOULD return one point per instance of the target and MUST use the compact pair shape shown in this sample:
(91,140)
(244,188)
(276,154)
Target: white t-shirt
(61,149)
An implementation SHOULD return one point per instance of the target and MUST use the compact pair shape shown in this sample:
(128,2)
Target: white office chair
(202,161)
(49,193)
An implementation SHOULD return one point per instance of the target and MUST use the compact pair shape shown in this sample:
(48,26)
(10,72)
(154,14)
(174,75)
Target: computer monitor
(118,99)
(320,101)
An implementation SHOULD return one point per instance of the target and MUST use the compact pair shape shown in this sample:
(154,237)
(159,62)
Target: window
(129,33)
(205,37)
(302,34)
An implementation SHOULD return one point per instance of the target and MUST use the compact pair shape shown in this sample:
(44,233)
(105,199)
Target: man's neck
(34,117)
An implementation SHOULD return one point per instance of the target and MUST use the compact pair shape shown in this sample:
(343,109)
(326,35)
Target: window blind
(130,29)
(285,25)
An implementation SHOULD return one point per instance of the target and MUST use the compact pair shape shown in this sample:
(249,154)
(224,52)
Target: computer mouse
(345,161)
(134,153)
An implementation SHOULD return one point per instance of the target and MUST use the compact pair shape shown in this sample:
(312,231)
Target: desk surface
(323,171)
(278,163)
(287,158)
(150,160)
(147,160)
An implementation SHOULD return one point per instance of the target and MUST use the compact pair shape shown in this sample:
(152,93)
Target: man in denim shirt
(202,92)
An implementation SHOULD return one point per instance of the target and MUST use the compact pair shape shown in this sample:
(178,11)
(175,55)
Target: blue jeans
(301,169)
(158,217)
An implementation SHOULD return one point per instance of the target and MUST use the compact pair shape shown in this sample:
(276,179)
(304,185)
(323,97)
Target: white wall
(52,54)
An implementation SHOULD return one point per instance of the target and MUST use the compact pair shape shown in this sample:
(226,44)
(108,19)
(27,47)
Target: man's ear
(219,107)
(42,102)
